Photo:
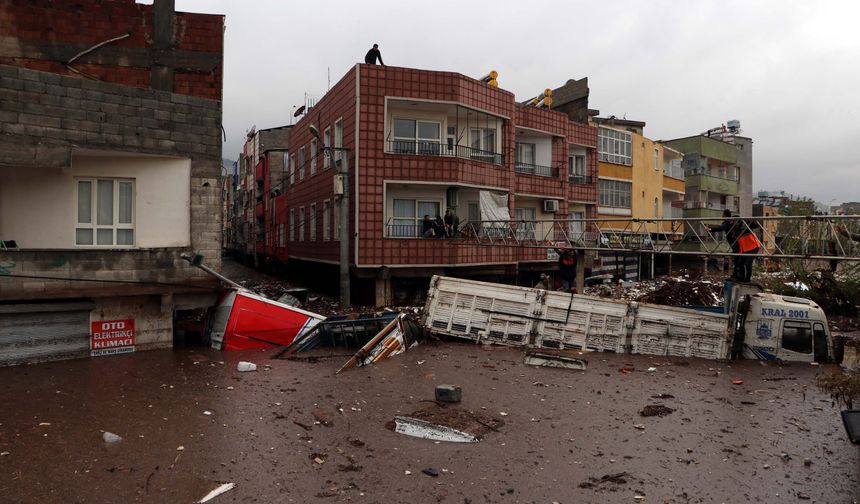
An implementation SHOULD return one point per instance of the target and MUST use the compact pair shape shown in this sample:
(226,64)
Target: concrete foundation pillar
(383,292)
(580,271)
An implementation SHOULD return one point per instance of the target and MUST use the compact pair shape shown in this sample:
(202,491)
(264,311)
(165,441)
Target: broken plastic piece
(426,430)
(554,360)
(225,487)
(111,438)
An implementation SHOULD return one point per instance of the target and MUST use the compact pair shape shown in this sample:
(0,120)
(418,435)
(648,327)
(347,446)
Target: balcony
(541,171)
(713,184)
(580,179)
(438,149)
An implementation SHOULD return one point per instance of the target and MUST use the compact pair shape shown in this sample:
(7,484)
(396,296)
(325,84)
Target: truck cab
(785,328)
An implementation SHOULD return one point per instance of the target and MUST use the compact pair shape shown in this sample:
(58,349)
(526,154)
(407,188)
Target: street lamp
(341,185)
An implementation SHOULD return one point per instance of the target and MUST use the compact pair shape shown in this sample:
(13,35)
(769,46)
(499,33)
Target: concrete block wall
(44,117)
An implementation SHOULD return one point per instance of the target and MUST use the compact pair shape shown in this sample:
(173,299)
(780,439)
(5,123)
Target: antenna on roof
(328,74)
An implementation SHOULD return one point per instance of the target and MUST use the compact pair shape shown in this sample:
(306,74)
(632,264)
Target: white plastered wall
(37,206)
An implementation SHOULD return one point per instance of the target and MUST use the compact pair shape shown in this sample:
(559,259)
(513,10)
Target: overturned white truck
(752,324)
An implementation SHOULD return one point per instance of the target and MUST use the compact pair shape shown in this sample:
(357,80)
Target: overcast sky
(787,70)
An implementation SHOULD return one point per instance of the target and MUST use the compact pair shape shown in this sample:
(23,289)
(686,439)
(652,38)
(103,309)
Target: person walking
(748,245)
(372,55)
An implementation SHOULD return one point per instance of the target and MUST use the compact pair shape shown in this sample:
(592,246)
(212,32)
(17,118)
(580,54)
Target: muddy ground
(568,436)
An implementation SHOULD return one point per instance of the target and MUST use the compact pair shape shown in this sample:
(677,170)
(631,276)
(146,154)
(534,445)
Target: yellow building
(638,178)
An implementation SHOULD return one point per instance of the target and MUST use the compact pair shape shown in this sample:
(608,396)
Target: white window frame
(326,220)
(293,170)
(313,157)
(615,146)
(312,222)
(326,143)
(418,217)
(301,224)
(576,170)
(417,139)
(614,193)
(286,163)
(575,225)
(656,160)
(115,225)
(338,138)
(292,225)
(525,223)
(302,160)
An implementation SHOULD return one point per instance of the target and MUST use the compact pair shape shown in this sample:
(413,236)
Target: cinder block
(449,393)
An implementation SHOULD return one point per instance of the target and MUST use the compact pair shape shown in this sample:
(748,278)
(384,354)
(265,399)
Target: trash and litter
(553,360)
(449,393)
(426,430)
(445,422)
(391,340)
(223,488)
(111,438)
(244,367)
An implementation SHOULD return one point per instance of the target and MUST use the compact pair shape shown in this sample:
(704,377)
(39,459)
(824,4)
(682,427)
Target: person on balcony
(427,227)
(452,223)
(439,227)
(372,55)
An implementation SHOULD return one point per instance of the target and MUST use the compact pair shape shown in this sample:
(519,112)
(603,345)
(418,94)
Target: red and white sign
(112,337)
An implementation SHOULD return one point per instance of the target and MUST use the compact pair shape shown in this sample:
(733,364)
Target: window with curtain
(614,193)
(408,218)
(525,218)
(313,222)
(105,212)
(412,136)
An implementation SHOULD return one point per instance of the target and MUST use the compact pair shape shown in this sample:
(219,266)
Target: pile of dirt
(678,291)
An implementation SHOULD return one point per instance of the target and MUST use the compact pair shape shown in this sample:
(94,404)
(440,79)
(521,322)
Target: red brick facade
(374,167)
(52,32)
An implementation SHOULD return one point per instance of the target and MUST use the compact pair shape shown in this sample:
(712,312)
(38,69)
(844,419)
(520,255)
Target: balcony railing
(394,229)
(541,171)
(433,148)
(580,179)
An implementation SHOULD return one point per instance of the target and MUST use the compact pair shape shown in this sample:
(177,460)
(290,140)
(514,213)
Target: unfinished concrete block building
(110,154)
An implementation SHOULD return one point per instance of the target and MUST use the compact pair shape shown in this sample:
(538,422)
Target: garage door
(32,333)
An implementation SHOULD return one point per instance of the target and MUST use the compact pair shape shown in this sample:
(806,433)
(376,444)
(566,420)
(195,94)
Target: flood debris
(426,430)
(223,488)
(393,339)
(111,438)
(655,410)
(554,360)
(244,367)
(433,473)
(615,479)
(449,393)
(851,420)
(443,422)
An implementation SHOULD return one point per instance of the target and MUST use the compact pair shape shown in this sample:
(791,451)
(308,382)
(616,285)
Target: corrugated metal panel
(29,337)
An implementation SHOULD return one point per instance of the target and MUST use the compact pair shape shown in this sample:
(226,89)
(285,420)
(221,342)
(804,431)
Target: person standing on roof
(373,55)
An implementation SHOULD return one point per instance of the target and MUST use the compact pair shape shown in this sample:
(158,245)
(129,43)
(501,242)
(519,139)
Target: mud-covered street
(295,432)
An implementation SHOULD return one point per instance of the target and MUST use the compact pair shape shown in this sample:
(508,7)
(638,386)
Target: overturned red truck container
(245,320)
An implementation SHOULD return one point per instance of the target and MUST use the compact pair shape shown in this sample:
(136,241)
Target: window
(286,164)
(575,226)
(797,336)
(281,236)
(526,154)
(313,157)
(576,169)
(336,220)
(313,222)
(338,138)
(417,137)
(614,146)
(614,193)
(301,166)
(408,219)
(483,143)
(105,212)
(656,159)
(326,220)
(326,143)
(302,224)
(474,211)
(293,171)
(292,225)
(525,218)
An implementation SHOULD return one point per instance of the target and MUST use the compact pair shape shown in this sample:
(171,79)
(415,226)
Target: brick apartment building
(418,143)
(110,154)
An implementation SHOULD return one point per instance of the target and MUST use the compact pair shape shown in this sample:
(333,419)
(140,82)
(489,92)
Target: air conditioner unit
(451,195)
(550,206)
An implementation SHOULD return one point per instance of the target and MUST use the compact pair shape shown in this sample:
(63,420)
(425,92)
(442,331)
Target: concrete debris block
(111,438)
(449,393)
(244,367)
(544,359)
(433,473)
(224,487)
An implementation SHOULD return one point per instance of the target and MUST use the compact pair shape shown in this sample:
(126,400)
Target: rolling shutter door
(34,333)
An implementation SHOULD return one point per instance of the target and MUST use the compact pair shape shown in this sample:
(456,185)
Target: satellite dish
(299,111)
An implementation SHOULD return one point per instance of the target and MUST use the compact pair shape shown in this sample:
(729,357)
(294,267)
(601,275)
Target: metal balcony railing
(434,148)
(541,171)
(580,179)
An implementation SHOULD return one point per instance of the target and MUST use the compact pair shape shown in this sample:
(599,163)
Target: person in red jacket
(567,269)
(748,245)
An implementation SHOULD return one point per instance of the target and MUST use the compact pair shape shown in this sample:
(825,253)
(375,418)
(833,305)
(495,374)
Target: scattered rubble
(441,422)
(223,488)
(244,367)
(656,410)
(111,438)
